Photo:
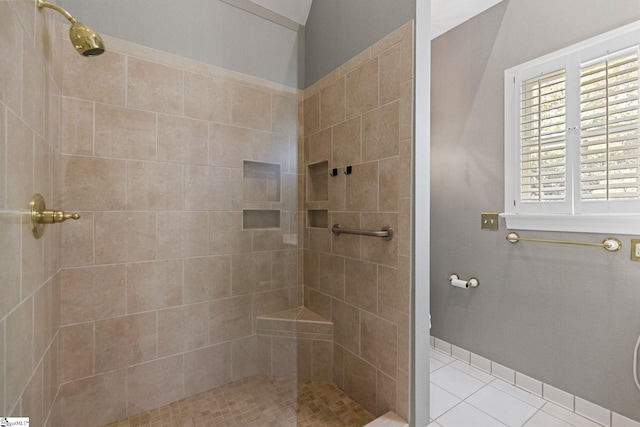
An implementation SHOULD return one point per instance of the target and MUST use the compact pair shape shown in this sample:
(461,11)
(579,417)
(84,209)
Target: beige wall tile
(347,142)
(44,327)
(322,361)
(379,343)
(230,318)
(108,69)
(284,112)
(320,146)
(182,234)
(385,394)
(226,235)
(90,184)
(318,303)
(207,98)
(312,114)
(92,293)
(230,145)
(154,87)
(405,174)
(207,278)
(390,77)
(388,170)
(346,325)
(153,186)
(311,269)
(388,293)
(404,284)
(76,351)
(244,357)
(270,302)
(10,252)
(331,278)
(77,126)
(124,133)
(183,328)
(284,268)
(154,384)
(272,148)
(403,395)
(380,132)
(263,355)
(124,236)
(19,166)
(11,35)
(3,377)
(207,188)
(379,250)
(360,381)
(77,241)
(207,368)
(404,341)
(81,398)
(362,89)
(19,354)
(33,89)
(304,359)
(362,188)
(124,341)
(250,272)
(152,285)
(3,146)
(283,357)
(42,167)
(337,191)
(50,377)
(332,104)
(405,111)
(355,62)
(32,263)
(265,240)
(361,282)
(346,244)
(320,239)
(338,365)
(250,107)
(182,140)
(404,227)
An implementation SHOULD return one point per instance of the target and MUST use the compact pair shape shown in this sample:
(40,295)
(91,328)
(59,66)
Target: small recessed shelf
(259,219)
(318,218)
(261,182)
(318,182)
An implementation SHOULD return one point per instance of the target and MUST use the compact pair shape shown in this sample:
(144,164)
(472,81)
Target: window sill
(586,223)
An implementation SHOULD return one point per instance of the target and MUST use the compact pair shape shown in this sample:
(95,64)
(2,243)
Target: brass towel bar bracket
(610,244)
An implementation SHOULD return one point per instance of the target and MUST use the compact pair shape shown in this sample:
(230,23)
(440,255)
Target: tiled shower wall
(29,153)
(159,283)
(360,115)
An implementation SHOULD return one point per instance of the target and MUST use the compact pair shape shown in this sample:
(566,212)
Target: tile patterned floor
(463,396)
(261,402)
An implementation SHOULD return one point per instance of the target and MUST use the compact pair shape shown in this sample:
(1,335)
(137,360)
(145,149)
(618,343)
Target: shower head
(86,40)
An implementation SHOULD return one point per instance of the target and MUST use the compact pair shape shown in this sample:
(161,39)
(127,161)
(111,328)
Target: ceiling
(445,14)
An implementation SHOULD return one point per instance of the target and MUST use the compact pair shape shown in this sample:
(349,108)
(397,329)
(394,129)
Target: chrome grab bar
(386,233)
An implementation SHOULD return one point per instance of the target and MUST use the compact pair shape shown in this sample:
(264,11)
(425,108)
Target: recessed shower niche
(261,187)
(318,182)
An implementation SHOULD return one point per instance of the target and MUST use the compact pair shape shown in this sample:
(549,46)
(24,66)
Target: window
(572,138)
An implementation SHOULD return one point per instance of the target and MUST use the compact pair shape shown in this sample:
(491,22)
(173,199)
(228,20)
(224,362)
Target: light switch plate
(635,249)
(489,221)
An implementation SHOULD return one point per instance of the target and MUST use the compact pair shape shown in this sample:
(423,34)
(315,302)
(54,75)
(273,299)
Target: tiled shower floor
(258,401)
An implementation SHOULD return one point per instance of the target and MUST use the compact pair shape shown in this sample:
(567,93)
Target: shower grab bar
(611,244)
(386,233)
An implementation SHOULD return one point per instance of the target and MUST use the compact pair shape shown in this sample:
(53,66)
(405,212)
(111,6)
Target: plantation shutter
(543,116)
(610,128)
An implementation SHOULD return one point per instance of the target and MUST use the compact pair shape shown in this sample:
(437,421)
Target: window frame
(569,215)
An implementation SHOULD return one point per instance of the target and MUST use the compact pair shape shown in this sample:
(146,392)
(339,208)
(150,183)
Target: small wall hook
(347,170)
(333,172)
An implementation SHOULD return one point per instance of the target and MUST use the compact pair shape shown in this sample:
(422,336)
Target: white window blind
(609,129)
(543,173)
(572,137)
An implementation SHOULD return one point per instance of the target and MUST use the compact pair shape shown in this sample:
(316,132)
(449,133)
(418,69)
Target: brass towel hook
(40,215)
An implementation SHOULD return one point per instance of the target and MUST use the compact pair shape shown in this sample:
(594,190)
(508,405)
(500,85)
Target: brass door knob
(40,215)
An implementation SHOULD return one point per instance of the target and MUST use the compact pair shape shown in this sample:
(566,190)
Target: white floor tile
(440,401)
(542,419)
(474,372)
(568,416)
(465,415)
(435,364)
(456,382)
(444,358)
(519,393)
(502,406)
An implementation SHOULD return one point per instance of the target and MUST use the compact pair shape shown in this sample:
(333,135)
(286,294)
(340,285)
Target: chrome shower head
(84,38)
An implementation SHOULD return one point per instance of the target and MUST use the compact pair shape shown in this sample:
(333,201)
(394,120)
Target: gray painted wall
(562,314)
(209,31)
(337,30)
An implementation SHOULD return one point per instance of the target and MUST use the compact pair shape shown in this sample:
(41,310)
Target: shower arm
(42,3)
